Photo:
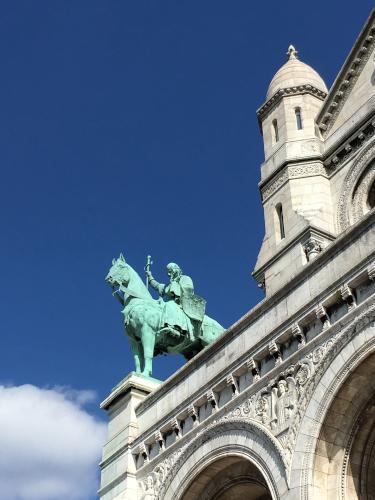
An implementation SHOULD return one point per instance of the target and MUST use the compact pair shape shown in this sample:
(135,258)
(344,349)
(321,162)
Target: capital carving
(312,248)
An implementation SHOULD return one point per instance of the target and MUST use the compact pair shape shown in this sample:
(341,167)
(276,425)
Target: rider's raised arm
(159,287)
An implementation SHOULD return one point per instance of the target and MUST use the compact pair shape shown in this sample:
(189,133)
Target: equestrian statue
(174,323)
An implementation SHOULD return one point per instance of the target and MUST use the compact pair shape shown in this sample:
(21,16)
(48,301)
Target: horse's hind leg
(136,348)
(148,344)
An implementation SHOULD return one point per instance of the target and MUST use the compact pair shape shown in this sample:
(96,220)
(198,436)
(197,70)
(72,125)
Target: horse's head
(119,273)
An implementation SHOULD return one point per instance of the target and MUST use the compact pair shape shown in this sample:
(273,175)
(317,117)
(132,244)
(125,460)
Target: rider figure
(180,287)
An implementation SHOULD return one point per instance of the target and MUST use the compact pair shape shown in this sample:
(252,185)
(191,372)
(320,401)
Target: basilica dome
(294,73)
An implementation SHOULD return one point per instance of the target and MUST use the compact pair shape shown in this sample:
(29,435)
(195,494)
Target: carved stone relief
(353,197)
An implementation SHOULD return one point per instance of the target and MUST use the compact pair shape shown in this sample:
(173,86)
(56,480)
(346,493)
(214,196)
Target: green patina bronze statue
(177,324)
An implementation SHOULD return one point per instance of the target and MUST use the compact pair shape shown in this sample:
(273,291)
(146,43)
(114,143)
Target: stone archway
(229,478)
(336,437)
(344,463)
(232,458)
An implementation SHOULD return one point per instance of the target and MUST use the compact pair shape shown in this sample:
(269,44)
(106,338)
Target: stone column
(118,472)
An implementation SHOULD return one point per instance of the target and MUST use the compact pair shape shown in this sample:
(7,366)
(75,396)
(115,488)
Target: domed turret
(295,192)
(287,118)
(295,73)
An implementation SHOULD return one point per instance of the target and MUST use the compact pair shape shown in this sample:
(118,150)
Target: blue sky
(131,126)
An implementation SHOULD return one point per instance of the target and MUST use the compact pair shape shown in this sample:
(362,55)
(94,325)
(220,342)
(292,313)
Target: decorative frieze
(347,206)
(292,172)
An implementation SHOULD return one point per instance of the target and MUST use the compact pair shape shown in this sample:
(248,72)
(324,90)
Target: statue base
(118,479)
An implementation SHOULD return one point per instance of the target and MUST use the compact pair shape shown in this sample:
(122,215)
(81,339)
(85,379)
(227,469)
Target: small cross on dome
(292,52)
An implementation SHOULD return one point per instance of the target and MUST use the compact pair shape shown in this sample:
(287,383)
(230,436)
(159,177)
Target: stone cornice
(347,76)
(269,105)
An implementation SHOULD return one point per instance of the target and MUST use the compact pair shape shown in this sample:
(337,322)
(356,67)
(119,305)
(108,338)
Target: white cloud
(50,445)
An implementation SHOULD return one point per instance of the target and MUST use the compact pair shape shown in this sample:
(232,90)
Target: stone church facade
(282,406)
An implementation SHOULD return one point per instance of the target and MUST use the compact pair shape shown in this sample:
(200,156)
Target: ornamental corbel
(298,334)
(158,437)
(231,382)
(253,367)
(275,352)
(175,426)
(348,296)
(321,313)
(361,136)
(192,412)
(371,271)
(143,450)
(210,396)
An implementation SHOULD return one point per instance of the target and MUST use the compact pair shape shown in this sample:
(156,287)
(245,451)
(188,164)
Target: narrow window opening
(275,131)
(371,196)
(298,118)
(280,216)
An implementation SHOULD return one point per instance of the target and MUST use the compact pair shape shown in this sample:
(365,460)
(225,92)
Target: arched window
(298,118)
(275,131)
(280,217)
(371,196)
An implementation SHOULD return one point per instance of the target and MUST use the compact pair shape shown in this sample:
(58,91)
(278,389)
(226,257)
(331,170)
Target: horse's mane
(136,284)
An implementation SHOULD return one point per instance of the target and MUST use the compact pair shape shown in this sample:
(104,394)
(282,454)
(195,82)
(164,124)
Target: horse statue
(157,326)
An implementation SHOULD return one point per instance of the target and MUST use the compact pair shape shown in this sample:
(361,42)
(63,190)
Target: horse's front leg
(148,344)
(136,348)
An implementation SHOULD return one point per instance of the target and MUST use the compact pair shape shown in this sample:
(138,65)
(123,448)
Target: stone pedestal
(118,469)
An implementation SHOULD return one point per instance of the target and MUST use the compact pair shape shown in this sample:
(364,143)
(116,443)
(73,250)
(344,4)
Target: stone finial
(292,52)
